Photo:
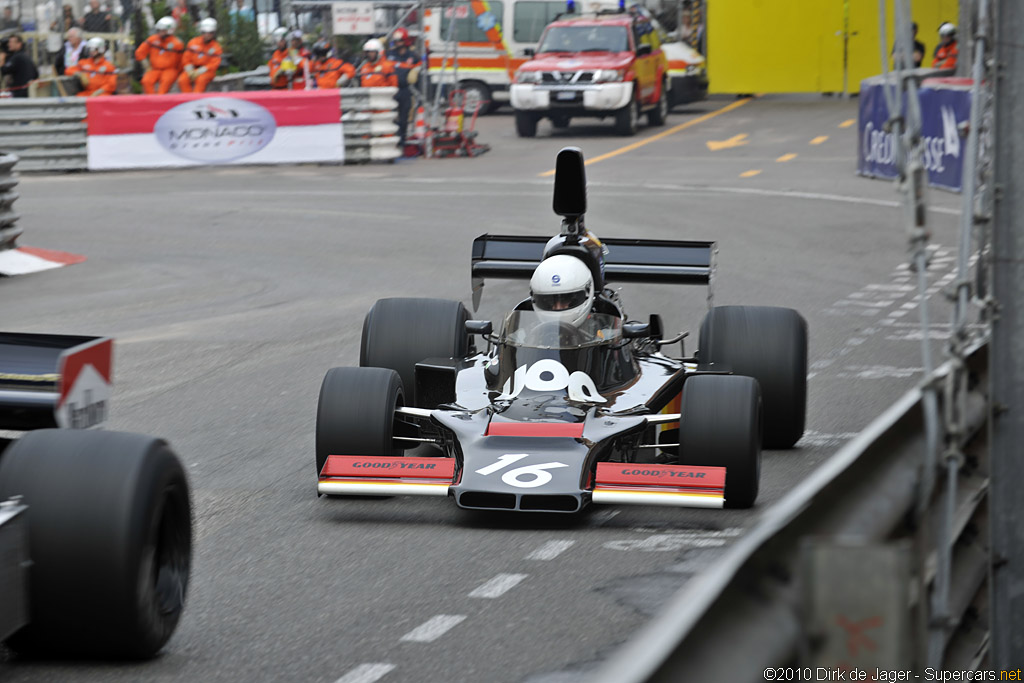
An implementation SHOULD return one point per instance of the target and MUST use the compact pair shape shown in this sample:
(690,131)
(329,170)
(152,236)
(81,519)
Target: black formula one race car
(552,416)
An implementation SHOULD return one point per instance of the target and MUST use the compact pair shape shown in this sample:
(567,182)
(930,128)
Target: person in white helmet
(376,71)
(947,51)
(289,65)
(95,72)
(562,290)
(202,58)
(164,51)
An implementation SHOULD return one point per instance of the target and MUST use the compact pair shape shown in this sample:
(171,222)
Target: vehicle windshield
(530,330)
(585,39)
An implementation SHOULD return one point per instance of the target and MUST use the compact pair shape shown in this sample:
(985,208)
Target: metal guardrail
(48,134)
(9,232)
(826,577)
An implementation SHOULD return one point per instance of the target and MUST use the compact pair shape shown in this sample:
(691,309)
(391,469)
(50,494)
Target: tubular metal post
(1007,358)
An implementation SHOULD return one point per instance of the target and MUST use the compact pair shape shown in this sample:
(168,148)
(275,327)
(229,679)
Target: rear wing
(674,262)
(51,380)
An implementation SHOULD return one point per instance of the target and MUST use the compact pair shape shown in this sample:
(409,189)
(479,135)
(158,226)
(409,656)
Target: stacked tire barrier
(368,118)
(9,232)
(47,134)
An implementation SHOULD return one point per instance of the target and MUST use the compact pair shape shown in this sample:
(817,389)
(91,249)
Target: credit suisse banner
(945,106)
(260,127)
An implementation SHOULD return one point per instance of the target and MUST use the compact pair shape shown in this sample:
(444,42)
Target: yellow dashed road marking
(847,123)
(659,136)
(750,174)
(786,157)
(818,140)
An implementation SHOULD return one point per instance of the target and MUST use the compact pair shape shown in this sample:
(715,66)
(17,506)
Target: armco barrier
(9,232)
(368,116)
(837,573)
(48,134)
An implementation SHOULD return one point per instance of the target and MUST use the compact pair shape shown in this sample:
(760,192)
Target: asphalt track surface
(231,292)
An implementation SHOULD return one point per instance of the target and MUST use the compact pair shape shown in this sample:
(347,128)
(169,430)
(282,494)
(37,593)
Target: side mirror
(483,327)
(529,52)
(635,330)
(570,183)
(643,50)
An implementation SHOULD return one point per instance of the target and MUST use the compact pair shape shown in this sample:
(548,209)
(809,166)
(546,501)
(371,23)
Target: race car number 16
(526,477)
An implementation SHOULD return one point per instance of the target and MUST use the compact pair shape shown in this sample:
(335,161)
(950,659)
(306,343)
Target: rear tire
(770,345)
(476,92)
(627,119)
(110,538)
(398,333)
(721,427)
(356,413)
(526,124)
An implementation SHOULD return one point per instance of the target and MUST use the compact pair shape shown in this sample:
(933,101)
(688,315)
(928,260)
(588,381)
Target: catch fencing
(50,134)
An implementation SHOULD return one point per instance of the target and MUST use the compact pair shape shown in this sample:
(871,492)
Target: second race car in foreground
(571,402)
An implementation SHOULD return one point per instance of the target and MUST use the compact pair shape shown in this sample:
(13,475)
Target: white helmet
(280,33)
(208,25)
(96,45)
(562,289)
(947,29)
(165,24)
(373,45)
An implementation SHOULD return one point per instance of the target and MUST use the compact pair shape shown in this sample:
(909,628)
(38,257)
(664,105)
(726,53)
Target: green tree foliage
(240,38)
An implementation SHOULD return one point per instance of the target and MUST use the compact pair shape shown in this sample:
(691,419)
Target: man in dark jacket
(18,65)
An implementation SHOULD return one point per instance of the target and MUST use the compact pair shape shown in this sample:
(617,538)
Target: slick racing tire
(770,345)
(398,333)
(356,413)
(721,427)
(526,124)
(110,539)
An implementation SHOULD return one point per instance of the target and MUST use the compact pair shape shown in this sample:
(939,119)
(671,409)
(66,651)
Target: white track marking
(366,673)
(660,543)
(603,517)
(434,628)
(498,586)
(550,550)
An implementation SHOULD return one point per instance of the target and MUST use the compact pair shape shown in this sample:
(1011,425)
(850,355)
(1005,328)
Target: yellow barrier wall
(757,46)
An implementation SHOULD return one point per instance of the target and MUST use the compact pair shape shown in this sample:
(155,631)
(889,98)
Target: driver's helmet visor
(560,301)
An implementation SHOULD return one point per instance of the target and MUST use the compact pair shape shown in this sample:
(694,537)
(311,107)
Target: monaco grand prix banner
(945,108)
(154,131)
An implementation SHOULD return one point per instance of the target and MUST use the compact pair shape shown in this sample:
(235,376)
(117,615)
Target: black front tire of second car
(526,124)
(356,413)
(721,427)
(627,119)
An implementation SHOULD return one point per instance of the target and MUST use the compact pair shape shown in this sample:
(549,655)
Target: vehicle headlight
(527,77)
(609,76)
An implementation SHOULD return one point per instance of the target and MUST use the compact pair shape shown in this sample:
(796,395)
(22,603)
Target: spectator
(19,66)
(180,10)
(72,52)
(240,11)
(97,20)
(66,22)
(917,52)
(946,52)
(407,68)
(163,50)
(201,59)
(9,22)
(97,75)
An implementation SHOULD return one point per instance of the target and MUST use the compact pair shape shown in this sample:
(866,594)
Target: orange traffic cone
(420,126)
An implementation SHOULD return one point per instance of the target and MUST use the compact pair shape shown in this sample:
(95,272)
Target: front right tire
(526,124)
